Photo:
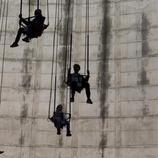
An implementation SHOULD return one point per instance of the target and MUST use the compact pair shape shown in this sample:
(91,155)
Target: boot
(68,134)
(89,101)
(14,45)
(26,39)
(58,132)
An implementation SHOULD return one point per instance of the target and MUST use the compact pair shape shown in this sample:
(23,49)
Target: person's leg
(58,131)
(68,133)
(72,91)
(29,33)
(88,93)
(15,43)
(57,125)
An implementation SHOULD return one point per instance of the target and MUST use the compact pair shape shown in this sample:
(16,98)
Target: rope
(69,55)
(52,67)
(20,13)
(47,12)
(88,52)
(86,64)
(87,34)
(4,48)
(21,7)
(2,20)
(70,66)
(85,56)
(29,10)
(56,66)
(61,4)
(70,50)
(38,4)
(67,38)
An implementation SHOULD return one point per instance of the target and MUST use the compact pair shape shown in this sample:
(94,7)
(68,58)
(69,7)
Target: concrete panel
(122,121)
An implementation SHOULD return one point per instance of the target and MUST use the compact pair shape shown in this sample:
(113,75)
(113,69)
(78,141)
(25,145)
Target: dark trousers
(26,31)
(60,124)
(75,88)
(18,36)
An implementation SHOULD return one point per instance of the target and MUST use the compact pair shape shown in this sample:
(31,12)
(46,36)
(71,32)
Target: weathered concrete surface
(123,120)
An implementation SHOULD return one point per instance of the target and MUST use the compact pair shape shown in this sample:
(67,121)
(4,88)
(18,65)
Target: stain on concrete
(103,74)
(22,140)
(60,141)
(104,111)
(103,142)
(26,82)
(103,70)
(23,117)
(145,32)
(24,113)
(145,110)
(26,69)
(143,78)
(62,54)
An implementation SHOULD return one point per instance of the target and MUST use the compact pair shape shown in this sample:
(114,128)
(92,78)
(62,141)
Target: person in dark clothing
(59,119)
(77,82)
(30,28)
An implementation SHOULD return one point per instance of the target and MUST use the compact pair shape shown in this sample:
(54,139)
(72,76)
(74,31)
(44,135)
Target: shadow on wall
(145,32)
(27,68)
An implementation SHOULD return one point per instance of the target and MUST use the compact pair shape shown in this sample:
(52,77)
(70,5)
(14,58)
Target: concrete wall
(122,122)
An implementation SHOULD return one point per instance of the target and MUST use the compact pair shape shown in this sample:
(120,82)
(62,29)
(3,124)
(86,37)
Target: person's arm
(52,118)
(24,20)
(45,26)
(67,116)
